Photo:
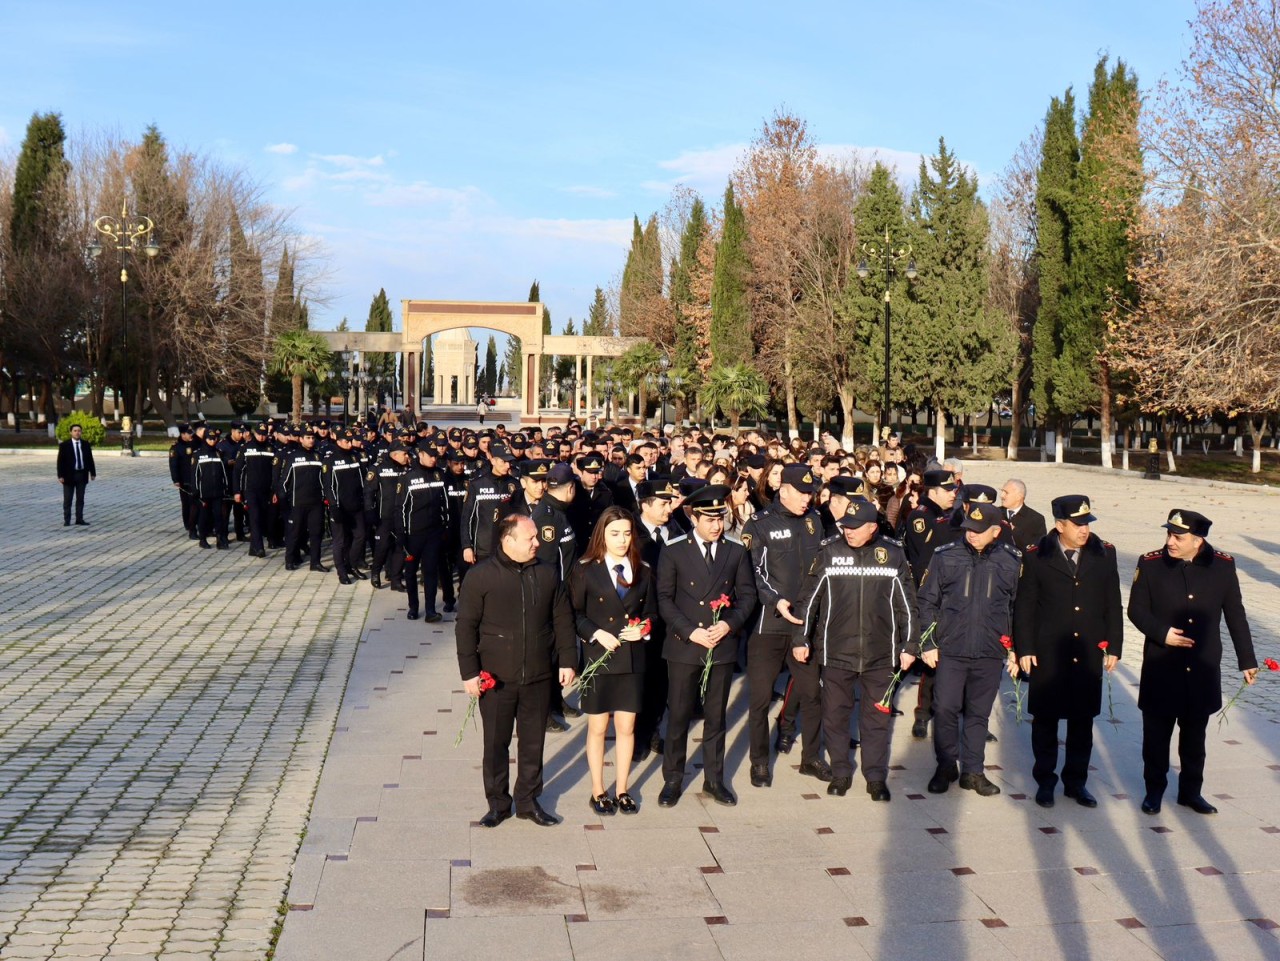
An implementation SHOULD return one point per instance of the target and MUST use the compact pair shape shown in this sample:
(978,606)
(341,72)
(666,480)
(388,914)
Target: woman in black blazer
(609,587)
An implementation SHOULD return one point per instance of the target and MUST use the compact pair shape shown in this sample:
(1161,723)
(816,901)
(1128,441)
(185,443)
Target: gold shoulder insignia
(746,541)
(1224,556)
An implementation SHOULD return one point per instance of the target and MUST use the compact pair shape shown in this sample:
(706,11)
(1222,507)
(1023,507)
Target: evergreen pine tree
(730,316)
(380,366)
(491,366)
(685,362)
(39,178)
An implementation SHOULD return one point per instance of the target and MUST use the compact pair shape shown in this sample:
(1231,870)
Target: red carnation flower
(1272,664)
(1103,645)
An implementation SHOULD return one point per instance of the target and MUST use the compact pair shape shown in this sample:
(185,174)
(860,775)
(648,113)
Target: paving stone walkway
(164,713)
(393,865)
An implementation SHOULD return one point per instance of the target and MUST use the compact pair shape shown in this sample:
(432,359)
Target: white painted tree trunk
(1059,448)
(940,436)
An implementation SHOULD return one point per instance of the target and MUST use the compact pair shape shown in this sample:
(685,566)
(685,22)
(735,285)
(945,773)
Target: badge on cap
(1082,509)
(1176,519)
(976,514)
(808,477)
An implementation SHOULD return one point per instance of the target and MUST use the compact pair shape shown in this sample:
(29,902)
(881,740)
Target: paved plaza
(165,714)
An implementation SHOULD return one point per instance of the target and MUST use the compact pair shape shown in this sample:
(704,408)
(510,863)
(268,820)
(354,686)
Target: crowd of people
(640,571)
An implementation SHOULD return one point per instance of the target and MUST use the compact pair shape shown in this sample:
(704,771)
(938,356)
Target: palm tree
(300,355)
(736,390)
(634,369)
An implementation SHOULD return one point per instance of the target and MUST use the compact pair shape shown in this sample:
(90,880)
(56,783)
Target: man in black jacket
(75,470)
(1068,604)
(344,496)
(251,486)
(380,499)
(514,618)
(1028,524)
(858,611)
(1179,598)
(423,516)
(181,453)
(300,490)
(212,485)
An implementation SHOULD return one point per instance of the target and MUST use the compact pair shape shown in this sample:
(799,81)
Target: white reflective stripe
(861,571)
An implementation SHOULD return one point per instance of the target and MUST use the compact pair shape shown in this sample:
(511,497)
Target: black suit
(655,667)
(1028,527)
(686,589)
(75,476)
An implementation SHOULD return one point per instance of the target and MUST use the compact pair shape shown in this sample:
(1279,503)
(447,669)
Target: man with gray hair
(956,467)
(1028,524)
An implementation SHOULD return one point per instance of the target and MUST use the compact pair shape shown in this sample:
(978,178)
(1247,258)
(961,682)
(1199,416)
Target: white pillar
(591,397)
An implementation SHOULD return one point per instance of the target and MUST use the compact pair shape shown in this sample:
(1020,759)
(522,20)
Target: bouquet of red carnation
(487,683)
(718,605)
(589,672)
(1111,706)
(884,705)
(1271,664)
(1007,643)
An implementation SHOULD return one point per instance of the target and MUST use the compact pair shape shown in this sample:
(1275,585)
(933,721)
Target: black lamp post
(664,391)
(886,255)
(125,232)
(609,388)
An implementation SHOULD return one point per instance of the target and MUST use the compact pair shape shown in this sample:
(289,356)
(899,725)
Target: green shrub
(93,430)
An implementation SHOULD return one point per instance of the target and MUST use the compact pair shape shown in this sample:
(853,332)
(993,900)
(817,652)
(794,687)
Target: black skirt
(613,692)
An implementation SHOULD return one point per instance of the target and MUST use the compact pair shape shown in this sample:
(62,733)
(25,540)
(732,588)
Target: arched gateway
(522,320)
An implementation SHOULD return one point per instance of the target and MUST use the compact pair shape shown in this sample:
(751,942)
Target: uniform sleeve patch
(548,534)
(918,525)
(746,541)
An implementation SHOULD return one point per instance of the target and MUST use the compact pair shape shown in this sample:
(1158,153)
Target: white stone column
(591,401)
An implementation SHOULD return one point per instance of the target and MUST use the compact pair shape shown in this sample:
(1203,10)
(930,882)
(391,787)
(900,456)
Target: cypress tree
(381,366)
(686,352)
(730,316)
(38,183)
(491,366)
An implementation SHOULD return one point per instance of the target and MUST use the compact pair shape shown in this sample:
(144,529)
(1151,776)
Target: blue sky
(446,150)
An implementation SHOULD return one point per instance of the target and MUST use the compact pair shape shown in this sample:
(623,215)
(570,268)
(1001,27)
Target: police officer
(557,543)
(784,540)
(927,528)
(182,472)
(229,449)
(344,495)
(1068,604)
(858,620)
(252,486)
(423,511)
(451,564)
(967,595)
(301,493)
(488,494)
(211,487)
(654,531)
(380,499)
(1179,598)
(693,573)
(591,499)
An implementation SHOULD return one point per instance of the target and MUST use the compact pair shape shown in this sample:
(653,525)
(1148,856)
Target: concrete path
(394,866)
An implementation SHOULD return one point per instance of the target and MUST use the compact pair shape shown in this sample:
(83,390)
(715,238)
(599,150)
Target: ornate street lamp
(125,232)
(887,255)
(609,388)
(664,391)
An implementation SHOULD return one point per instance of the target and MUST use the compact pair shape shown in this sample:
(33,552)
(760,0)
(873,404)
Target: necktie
(707,547)
(657,534)
(79,462)
(623,585)
(1071,556)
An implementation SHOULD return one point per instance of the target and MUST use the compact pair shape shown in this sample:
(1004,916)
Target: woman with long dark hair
(610,587)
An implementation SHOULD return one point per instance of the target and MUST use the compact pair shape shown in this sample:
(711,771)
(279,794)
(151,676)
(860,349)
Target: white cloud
(349,162)
(586,190)
(282,148)
(421,193)
(615,233)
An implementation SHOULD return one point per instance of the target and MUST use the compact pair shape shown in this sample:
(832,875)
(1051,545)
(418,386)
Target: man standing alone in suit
(1028,525)
(75,470)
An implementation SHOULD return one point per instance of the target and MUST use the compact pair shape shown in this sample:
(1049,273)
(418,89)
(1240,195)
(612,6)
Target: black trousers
(308,522)
(767,654)
(386,551)
(73,487)
(213,520)
(683,681)
(653,698)
(257,510)
(232,509)
(924,693)
(521,708)
(447,566)
(1157,731)
(790,709)
(1044,745)
(839,689)
(348,538)
(964,686)
(189,511)
(421,552)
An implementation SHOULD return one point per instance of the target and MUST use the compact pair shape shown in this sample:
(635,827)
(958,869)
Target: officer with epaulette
(488,494)
(1180,596)
(182,473)
(558,547)
(591,499)
(211,487)
(971,494)
(1068,628)
(301,493)
(859,625)
(251,485)
(840,491)
(423,514)
(344,497)
(927,528)
(381,482)
(229,450)
(784,540)
(455,485)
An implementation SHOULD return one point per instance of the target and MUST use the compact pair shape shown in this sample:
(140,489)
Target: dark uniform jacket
(481,508)
(253,469)
(421,504)
(859,606)
(212,483)
(298,478)
(686,588)
(557,544)
(969,596)
(926,529)
(511,617)
(1193,596)
(380,488)
(784,547)
(585,510)
(1060,616)
(1028,527)
(181,456)
(598,607)
(341,473)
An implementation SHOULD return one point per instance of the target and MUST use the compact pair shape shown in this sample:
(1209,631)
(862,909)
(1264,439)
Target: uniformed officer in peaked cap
(1180,595)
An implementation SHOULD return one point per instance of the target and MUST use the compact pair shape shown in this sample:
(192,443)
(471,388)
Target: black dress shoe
(991,738)
(205,545)
(431,617)
(451,608)
(240,538)
(1082,797)
(942,778)
(223,546)
(1198,804)
(1150,805)
(538,816)
(344,579)
(670,795)
(602,804)
(570,711)
(68,524)
(376,582)
(818,769)
(555,725)
(839,786)
(191,535)
(878,790)
(719,793)
(760,776)
(980,784)
(784,742)
(494,818)
(82,523)
(920,729)
(398,586)
(359,574)
(412,615)
(641,752)
(320,568)
(288,566)
(1044,797)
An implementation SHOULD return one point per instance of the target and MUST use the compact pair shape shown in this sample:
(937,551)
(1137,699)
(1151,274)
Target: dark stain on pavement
(513,888)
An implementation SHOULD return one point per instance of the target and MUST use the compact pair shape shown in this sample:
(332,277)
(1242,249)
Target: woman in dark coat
(610,587)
